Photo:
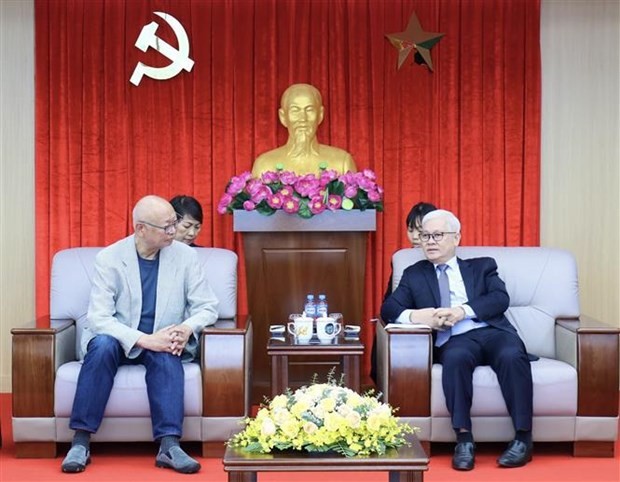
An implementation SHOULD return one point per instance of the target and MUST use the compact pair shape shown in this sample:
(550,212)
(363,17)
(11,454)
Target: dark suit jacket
(419,288)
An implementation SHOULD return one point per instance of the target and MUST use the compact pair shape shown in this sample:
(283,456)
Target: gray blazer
(183,295)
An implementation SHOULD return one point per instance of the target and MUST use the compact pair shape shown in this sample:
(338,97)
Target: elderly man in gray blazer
(149,302)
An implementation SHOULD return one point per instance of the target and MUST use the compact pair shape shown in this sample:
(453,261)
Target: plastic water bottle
(310,306)
(321,307)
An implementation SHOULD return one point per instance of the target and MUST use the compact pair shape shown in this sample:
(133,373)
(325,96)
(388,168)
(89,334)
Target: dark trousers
(505,353)
(165,380)
(373,360)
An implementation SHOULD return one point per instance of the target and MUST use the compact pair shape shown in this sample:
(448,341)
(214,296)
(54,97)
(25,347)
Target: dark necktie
(444,297)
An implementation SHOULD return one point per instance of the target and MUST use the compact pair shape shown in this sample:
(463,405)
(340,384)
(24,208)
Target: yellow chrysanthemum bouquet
(320,418)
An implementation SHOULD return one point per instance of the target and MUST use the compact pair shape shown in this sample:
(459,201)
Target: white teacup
(301,328)
(327,328)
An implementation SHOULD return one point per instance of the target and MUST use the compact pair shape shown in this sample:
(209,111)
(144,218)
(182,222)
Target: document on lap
(405,326)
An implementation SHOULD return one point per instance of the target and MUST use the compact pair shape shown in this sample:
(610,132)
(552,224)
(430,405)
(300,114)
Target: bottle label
(310,309)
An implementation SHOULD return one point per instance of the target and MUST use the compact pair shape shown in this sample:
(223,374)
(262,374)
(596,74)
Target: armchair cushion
(553,381)
(128,397)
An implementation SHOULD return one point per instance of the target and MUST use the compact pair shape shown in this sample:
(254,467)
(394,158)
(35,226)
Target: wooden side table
(406,464)
(280,349)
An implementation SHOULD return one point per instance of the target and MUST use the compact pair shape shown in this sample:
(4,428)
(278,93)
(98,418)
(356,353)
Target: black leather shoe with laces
(463,458)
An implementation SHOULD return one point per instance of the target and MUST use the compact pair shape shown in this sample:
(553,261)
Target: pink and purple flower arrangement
(304,195)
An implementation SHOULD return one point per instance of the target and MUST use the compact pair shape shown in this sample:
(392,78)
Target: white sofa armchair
(45,367)
(575,379)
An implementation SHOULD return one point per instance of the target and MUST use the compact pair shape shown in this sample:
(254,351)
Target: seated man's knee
(458,357)
(512,354)
(103,345)
(165,360)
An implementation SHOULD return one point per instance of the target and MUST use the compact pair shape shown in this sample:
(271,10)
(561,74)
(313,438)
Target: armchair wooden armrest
(591,347)
(226,357)
(405,360)
(225,362)
(36,355)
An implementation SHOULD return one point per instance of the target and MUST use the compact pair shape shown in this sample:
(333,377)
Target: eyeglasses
(425,237)
(168,228)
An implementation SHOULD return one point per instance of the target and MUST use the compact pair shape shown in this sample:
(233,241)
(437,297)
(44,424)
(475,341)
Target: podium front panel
(282,268)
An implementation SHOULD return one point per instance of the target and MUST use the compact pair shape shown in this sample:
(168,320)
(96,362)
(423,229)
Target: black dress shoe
(463,458)
(516,455)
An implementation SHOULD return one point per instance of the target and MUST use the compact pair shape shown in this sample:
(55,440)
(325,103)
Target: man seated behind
(142,287)
(301,111)
(464,302)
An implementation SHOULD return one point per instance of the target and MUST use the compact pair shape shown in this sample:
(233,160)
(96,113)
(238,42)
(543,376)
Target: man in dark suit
(464,302)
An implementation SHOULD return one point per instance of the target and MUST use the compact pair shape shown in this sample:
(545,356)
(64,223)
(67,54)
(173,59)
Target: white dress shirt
(458,297)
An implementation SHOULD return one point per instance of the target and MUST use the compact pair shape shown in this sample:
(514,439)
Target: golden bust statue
(301,112)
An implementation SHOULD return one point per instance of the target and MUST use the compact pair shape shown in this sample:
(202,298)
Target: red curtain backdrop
(466,137)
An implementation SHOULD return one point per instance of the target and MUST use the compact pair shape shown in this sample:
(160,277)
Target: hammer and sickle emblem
(180,58)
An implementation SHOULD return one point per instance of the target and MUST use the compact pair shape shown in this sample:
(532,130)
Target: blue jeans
(164,383)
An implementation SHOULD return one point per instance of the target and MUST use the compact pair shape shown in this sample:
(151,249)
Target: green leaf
(283,445)
(336,187)
(265,209)
(362,199)
(346,451)
(253,447)
(304,210)
(275,186)
(239,199)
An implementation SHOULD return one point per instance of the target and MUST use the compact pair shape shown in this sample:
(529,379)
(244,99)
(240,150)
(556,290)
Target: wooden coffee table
(280,349)
(406,464)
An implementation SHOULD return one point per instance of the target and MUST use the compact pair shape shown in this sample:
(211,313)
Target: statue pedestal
(286,258)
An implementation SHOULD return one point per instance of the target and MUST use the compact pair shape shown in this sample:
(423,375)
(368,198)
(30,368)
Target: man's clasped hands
(171,339)
(437,318)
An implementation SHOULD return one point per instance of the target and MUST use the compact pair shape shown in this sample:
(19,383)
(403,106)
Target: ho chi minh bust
(301,112)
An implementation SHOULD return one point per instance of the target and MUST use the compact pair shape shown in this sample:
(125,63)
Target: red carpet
(135,463)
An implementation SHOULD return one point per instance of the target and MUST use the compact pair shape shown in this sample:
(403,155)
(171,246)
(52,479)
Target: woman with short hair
(189,216)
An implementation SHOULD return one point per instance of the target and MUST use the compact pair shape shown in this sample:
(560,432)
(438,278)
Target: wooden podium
(288,257)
